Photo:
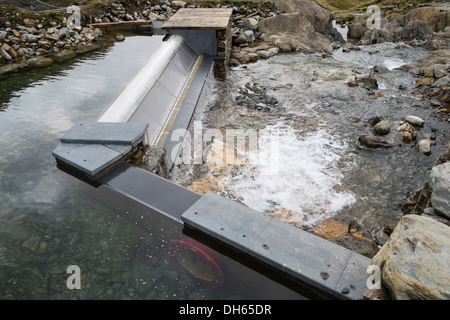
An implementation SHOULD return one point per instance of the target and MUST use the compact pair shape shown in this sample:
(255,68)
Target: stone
(415,261)
(444,156)
(439,72)
(356,31)
(5,54)
(425,81)
(425,146)
(12,232)
(407,137)
(40,61)
(64,55)
(371,141)
(383,127)
(293,32)
(442,82)
(367,81)
(3,35)
(436,17)
(414,30)
(440,183)
(30,38)
(249,36)
(119,37)
(415,121)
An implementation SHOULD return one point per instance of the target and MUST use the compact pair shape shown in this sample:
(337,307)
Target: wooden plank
(199,19)
(120,23)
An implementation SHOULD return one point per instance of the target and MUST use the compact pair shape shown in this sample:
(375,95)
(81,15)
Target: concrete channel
(163,96)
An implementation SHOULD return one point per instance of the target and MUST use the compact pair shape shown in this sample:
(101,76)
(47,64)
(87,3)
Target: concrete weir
(161,98)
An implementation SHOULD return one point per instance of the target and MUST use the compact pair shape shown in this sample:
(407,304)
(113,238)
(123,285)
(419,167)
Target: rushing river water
(322,171)
(49,220)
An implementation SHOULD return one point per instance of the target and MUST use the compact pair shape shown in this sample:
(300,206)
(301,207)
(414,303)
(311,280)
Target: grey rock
(5,54)
(249,36)
(3,35)
(415,121)
(440,182)
(414,30)
(356,31)
(63,56)
(442,82)
(425,146)
(373,142)
(415,261)
(383,127)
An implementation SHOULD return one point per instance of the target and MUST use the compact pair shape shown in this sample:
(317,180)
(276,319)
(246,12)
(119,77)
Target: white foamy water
(299,183)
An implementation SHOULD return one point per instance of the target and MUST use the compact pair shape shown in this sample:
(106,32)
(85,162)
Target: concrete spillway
(153,94)
(161,98)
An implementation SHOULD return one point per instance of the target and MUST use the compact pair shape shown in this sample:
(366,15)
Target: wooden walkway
(199,19)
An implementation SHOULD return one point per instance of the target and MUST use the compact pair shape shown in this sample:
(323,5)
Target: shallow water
(323,171)
(50,220)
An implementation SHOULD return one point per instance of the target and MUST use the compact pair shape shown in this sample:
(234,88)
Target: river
(320,172)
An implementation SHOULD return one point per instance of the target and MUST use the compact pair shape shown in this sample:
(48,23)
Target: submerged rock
(371,141)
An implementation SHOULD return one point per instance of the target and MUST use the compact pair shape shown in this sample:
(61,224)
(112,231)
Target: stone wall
(224,45)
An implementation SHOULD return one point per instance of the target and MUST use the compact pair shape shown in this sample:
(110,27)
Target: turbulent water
(320,170)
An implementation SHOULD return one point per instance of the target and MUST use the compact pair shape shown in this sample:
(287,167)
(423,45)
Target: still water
(50,220)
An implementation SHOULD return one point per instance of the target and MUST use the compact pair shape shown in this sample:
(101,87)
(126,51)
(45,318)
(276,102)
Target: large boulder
(415,262)
(414,30)
(320,18)
(437,17)
(293,32)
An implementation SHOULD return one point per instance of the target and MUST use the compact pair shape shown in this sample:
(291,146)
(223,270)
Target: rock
(249,24)
(40,62)
(64,55)
(356,31)
(444,156)
(119,37)
(30,38)
(439,72)
(407,137)
(415,121)
(5,54)
(373,142)
(383,127)
(179,4)
(320,19)
(436,17)
(3,35)
(442,82)
(293,32)
(440,183)
(414,30)
(367,81)
(415,261)
(426,81)
(249,36)
(12,232)
(425,146)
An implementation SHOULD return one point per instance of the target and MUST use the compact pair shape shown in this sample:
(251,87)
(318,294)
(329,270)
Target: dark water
(50,220)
